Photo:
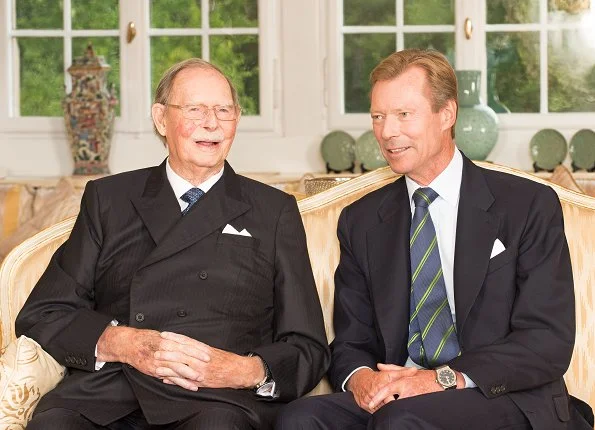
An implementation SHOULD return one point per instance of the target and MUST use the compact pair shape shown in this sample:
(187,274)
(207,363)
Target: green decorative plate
(548,149)
(368,152)
(338,151)
(582,150)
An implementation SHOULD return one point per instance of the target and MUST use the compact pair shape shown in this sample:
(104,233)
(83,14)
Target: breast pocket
(252,292)
(502,259)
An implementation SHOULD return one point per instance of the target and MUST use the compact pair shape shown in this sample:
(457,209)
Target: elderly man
(454,303)
(184,297)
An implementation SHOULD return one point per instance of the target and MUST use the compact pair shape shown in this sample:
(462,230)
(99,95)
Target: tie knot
(192,195)
(424,197)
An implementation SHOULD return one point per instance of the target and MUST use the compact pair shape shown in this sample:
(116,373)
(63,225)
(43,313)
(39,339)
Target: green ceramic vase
(477,124)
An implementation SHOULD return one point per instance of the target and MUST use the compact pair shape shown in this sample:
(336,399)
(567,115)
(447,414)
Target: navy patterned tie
(191,196)
(432,336)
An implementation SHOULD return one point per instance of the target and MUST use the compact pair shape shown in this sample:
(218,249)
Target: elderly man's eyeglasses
(200,112)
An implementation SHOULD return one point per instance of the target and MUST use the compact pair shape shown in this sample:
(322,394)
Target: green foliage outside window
(41,61)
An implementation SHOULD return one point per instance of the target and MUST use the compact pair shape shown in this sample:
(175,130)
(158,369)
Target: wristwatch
(266,387)
(446,377)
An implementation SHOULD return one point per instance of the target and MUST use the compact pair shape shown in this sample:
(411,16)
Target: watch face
(447,377)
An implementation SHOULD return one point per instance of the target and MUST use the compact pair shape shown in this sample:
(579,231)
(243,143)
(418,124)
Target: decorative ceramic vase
(89,112)
(477,124)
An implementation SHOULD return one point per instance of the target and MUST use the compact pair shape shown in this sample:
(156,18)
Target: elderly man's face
(197,148)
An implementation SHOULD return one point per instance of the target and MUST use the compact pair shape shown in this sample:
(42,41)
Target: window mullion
(543,58)
(204,40)
(400,11)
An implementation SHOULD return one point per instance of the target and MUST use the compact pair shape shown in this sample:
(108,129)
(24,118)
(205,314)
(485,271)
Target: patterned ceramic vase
(89,112)
(477,124)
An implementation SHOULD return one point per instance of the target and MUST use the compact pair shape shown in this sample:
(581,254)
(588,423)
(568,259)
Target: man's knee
(393,417)
(60,419)
(299,414)
(216,419)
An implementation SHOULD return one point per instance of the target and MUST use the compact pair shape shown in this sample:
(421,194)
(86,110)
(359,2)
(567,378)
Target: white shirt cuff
(100,364)
(349,376)
(468,382)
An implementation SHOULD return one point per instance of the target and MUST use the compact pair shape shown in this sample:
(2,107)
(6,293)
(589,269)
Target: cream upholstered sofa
(320,212)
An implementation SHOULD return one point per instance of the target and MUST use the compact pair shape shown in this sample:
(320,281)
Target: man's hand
(365,384)
(206,366)
(422,382)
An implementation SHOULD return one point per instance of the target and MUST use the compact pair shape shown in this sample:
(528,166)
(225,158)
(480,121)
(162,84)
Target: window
(43,36)
(541,56)
(538,55)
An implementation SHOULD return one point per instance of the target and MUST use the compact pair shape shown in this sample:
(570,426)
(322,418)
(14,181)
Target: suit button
(68,360)
(203,275)
(78,361)
(140,317)
(182,313)
(494,390)
(84,362)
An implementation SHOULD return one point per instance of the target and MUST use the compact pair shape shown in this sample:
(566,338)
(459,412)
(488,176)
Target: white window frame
(470,54)
(135,68)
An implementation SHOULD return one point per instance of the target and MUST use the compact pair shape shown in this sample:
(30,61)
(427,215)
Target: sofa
(25,264)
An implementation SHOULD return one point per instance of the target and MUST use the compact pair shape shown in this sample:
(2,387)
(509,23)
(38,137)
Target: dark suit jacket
(515,312)
(133,257)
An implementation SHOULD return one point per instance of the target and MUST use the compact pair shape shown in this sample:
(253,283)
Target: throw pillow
(63,202)
(27,372)
(16,207)
(563,177)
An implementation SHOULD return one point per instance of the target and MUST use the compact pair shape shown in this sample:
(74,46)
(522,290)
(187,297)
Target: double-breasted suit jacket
(133,257)
(514,312)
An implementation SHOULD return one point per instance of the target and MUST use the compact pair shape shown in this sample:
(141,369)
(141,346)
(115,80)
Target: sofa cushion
(27,372)
(16,207)
(63,201)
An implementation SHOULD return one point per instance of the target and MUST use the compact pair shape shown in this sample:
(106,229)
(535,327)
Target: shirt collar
(181,185)
(447,184)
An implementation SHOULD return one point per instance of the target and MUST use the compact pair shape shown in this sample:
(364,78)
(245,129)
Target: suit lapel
(388,259)
(219,205)
(158,206)
(477,229)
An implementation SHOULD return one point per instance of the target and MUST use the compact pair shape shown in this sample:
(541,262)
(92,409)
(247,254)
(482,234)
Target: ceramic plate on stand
(338,151)
(582,150)
(548,149)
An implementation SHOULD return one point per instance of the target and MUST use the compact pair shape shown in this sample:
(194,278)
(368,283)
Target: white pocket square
(497,248)
(229,229)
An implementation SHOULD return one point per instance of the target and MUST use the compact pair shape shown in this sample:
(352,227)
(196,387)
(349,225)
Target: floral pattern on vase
(89,112)
(476,130)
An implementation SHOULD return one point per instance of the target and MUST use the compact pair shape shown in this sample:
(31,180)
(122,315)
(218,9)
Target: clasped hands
(373,389)
(178,360)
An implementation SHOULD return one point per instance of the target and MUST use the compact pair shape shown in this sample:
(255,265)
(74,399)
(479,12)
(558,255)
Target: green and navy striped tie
(432,335)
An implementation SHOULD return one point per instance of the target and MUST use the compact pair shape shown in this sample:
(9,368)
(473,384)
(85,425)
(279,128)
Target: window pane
(443,42)
(369,12)
(28,14)
(568,9)
(362,53)
(237,56)
(41,73)
(571,70)
(429,12)
(513,68)
(512,12)
(175,14)
(109,47)
(167,51)
(233,13)
(94,14)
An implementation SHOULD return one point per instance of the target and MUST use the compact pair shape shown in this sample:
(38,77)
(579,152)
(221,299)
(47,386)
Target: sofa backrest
(25,264)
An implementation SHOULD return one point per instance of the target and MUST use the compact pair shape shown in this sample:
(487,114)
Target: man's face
(197,148)
(414,140)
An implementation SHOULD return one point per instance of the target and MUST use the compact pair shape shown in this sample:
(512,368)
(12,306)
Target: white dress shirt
(444,212)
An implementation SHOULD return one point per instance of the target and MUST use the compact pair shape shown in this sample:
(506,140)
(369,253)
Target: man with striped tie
(454,303)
